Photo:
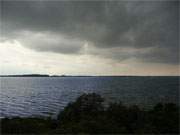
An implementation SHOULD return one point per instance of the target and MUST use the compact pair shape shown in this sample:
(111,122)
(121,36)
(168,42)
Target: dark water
(46,96)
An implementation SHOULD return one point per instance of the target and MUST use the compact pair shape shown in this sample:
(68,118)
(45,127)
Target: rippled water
(46,96)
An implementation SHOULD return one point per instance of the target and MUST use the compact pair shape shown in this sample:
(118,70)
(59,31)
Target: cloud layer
(146,31)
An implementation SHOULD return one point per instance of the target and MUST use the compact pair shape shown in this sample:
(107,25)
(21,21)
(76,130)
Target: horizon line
(67,75)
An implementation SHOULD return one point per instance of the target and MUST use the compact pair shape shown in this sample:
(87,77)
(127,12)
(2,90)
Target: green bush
(88,115)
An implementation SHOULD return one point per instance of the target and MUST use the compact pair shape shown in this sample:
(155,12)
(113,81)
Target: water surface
(46,96)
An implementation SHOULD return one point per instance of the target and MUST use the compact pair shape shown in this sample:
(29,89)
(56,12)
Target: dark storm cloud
(106,25)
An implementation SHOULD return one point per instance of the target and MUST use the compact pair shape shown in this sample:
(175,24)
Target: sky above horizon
(89,38)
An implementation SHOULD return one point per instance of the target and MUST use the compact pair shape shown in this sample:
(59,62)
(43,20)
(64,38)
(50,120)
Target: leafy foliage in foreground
(88,115)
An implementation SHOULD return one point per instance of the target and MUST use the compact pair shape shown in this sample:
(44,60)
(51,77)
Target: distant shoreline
(45,75)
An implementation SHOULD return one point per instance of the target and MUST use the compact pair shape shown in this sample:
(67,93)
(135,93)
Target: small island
(43,75)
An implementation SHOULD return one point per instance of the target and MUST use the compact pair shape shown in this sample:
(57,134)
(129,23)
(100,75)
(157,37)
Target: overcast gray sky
(90,38)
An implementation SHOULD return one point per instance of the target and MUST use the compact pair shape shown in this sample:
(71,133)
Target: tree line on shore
(88,115)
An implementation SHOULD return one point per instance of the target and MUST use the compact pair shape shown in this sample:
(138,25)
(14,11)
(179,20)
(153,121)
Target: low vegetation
(88,115)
